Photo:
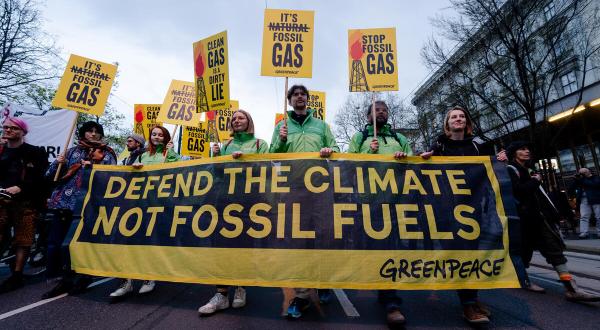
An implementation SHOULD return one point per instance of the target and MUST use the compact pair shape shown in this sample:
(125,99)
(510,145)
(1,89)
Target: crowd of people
(24,172)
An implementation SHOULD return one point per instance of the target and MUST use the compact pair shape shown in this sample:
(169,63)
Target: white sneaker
(239,298)
(125,288)
(147,286)
(216,303)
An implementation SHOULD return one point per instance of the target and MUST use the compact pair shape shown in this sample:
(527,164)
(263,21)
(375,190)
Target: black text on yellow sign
(85,85)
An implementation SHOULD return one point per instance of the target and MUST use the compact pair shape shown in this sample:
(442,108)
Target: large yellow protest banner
(316,102)
(194,142)
(372,60)
(85,85)
(211,73)
(288,43)
(144,118)
(179,106)
(223,119)
(298,220)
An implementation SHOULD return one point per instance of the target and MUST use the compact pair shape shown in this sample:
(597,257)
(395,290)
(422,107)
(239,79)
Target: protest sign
(298,220)
(85,85)
(194,142)
(49,129)
(223,118)
(288,43)
(144,118)
(316,101)
(211,73)
(278,117)
(179,105)
(372,60)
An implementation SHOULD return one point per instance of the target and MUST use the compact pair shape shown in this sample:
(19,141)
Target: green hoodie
(246,143)
(313,135)
(158,157)
(385,137)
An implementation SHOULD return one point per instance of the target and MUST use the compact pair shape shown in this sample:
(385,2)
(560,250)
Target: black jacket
(26,169)
(444,146)
(591,187)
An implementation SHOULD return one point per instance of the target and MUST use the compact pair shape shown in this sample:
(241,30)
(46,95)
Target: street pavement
(174,305)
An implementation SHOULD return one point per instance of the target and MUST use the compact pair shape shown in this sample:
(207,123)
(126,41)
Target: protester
(136,147)
(241,128)
(539,220)
(387,142)
(303,133)
(22,168)
(457,140)
(587,186)
(159,151)
(65,201)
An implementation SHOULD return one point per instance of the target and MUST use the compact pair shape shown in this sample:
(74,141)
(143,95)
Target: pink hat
(19,122)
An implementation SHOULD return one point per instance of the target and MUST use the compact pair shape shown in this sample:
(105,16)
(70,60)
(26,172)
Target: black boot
(63,286)
(14,282)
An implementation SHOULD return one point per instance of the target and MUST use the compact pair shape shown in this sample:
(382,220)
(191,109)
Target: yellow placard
(211,73)
(85,85)
(278,118)
(194,142)
(316,101)
(144,118)
(223,118)
(179,106)
(372,60)
(288,43)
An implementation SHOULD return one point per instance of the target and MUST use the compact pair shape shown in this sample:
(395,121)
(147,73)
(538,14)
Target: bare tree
(352,116)
(27,53)
(509,56)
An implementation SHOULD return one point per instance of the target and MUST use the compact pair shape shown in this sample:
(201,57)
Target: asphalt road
(174,306)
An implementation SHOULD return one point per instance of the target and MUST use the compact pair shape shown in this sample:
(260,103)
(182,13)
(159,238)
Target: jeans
(585,209)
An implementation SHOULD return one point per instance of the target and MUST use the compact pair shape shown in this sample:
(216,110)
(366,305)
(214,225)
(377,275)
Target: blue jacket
(591,187)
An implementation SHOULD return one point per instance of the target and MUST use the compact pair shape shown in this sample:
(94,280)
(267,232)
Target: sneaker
(324,296)
(483,309)
(12,283)
(395,318)
(216,303)
(147,286)
(80,284)
(297,306)
(472,314)
(530,286)
(573,293)
(126,287)
(239,298)
(584,236)
(60,288)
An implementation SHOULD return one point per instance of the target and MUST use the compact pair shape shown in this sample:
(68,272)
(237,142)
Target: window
(549,10)
(569,82)
(567,162)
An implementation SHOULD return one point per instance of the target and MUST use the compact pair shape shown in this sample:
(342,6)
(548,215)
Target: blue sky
(152,41)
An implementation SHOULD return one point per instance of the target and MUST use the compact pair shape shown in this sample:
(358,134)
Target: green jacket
(313,135)
(385,137)
(246,143)
(158,157)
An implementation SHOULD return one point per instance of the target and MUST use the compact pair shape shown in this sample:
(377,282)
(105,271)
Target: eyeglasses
(12,128)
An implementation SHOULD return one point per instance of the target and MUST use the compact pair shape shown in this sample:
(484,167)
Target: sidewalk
(590,245)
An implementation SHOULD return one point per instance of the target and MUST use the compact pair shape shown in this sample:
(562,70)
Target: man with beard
(135,146)
(65,201)
(22,168)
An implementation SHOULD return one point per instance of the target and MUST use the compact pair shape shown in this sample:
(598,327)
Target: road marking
(45,301)
(346,303)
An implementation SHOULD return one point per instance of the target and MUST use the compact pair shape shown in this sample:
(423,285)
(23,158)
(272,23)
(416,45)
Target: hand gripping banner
(297,220)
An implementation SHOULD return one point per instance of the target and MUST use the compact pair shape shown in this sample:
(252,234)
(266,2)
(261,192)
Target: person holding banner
(66,199)
(457,140)
(159,151)
(22,168)
(302,132)
(242,139)
(387,142)
(539,219)
(241,128)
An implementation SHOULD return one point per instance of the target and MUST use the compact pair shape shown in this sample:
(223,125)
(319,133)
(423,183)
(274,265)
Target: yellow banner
(211,73)
(85,85)
(179,106)
(144,118)
(372,60)
(288,43)
(316,101)
(223,119)
(194,142)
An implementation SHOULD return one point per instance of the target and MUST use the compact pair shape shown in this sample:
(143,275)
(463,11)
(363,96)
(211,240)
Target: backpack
(365,135)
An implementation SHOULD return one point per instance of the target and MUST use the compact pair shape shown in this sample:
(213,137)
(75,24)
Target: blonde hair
(249,129)
(468,124)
